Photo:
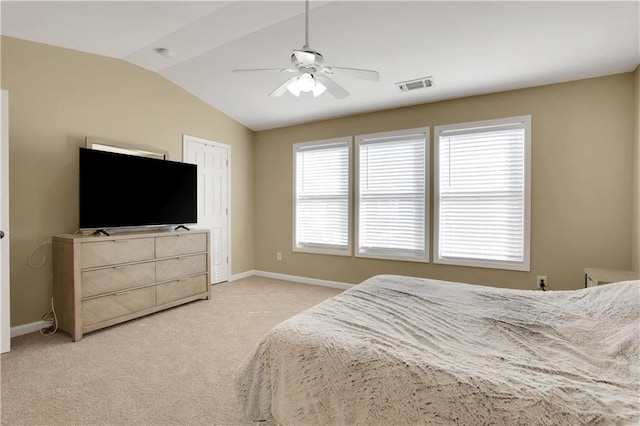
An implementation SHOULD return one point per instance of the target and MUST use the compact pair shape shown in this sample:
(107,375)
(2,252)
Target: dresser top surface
(126,235)
(611,275)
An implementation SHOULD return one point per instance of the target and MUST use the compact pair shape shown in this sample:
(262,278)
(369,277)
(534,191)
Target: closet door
(212,159)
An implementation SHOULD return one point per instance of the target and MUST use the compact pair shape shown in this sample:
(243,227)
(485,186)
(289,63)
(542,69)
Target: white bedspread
(399,350)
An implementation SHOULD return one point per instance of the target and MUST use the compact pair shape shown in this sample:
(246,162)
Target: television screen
(118,190)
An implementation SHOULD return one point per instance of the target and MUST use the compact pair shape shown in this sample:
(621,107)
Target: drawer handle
(123,293)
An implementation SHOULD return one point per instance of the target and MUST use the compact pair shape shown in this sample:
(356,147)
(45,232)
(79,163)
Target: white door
(212,159)
(5,328)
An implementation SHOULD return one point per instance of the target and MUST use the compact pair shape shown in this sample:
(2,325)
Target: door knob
(1,235)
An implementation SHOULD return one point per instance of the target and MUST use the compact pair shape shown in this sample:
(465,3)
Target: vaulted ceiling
(468,48)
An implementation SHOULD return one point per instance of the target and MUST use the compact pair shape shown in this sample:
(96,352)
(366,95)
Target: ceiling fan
(312,73)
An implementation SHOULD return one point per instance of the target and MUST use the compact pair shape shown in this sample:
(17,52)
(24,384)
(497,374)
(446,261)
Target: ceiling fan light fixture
(306,82)
(318,89)
(294,87)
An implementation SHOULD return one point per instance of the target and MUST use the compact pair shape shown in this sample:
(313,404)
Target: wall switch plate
(279,257)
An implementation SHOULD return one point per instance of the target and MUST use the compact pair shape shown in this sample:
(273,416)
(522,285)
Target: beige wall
(581,183)
(583,134)
(56,98)
(635,226)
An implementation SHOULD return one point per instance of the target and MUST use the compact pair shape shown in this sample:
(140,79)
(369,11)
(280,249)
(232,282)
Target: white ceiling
(469,48)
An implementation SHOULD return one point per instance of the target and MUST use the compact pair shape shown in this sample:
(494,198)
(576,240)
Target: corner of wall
(635,212)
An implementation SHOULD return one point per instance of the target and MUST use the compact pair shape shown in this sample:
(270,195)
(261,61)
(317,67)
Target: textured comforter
(399,350)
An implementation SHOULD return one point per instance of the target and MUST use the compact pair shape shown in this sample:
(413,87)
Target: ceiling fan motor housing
(307,58)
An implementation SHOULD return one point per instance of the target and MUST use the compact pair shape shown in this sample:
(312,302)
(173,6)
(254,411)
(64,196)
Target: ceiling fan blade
(355,72)
(334,88)
(265,69)
(280,90)
(304,57)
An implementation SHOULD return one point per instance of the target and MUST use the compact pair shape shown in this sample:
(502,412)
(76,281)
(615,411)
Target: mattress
(401,350)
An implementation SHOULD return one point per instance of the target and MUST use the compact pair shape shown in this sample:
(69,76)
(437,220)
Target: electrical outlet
(279,257)
(542,282)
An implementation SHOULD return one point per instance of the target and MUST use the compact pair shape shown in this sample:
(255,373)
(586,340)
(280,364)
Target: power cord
(50,316)
(543,285)
(44,256)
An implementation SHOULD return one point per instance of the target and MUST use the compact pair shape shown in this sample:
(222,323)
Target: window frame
(525,120)
(390,255)
(320,249)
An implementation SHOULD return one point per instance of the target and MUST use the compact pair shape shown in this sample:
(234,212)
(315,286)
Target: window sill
(478,263)
(311,250)
(401,258)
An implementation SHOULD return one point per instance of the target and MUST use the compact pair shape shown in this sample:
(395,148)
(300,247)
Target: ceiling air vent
(421,83)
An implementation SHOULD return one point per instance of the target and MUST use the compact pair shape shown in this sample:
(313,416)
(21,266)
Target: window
(482,193)
(392,195)
(322,196)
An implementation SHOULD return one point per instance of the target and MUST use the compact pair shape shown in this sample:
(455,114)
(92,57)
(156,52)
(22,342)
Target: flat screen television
(118,190)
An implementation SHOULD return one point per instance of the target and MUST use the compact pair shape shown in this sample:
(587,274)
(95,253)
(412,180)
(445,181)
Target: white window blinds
(322,196)
(482,194)
(392,195)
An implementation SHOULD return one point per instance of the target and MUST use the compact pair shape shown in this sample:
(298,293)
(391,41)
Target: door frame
(185,139)
(5,291)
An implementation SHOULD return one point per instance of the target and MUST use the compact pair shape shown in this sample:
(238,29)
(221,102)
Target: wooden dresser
(100,281)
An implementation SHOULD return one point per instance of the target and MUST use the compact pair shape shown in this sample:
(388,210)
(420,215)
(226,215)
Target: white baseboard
(23,329)
(241,275)
(303,280)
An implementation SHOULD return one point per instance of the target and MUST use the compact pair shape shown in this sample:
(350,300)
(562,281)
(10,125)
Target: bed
(401,350)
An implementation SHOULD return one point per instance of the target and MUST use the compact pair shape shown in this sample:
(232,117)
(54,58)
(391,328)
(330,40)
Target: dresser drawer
(117,305)
(175,245)
(102,253)
(116,278)
(179,267)
(176,290)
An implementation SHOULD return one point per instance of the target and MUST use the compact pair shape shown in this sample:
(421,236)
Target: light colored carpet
(172,368)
